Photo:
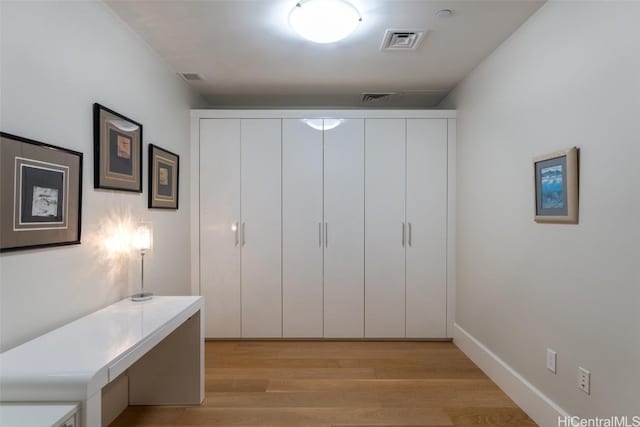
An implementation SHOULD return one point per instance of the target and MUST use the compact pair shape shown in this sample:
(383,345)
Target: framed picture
(40,194)
(117,146)
(556,187)
(164,174)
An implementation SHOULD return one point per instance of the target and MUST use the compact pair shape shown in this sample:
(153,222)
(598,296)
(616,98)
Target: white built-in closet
(330,224)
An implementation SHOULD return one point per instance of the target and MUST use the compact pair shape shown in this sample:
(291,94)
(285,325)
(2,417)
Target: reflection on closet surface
(323,228)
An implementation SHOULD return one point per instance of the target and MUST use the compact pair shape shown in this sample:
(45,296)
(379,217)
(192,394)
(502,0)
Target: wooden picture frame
(117,146)
(556,187)
(164,178)
(40,194)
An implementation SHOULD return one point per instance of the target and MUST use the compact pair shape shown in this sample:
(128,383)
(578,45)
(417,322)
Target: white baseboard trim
(537,405)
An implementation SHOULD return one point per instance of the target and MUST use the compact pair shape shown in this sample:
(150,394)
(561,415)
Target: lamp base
(144,296)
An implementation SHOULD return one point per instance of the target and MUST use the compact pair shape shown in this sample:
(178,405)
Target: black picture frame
(48,179)
(164,178)
(117,151)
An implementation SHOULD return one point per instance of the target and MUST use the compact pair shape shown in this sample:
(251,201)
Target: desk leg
(91,411)
(172,373)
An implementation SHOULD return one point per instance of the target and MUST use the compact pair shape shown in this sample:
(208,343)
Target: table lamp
(142,241)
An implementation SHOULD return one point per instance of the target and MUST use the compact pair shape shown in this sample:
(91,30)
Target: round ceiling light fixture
(324,21)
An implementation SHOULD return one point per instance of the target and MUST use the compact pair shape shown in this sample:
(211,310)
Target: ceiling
(249,56)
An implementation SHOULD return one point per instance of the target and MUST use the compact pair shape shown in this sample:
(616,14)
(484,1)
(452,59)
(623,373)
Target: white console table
(159,344)
(38,415)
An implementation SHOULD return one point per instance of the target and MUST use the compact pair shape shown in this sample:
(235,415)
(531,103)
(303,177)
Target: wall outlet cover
(551,360)
(584,380)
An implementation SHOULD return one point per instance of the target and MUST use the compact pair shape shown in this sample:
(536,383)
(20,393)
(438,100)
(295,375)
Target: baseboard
(537,405)
(334,339)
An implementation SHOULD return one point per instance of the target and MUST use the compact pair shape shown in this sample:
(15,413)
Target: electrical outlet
(551,360)
(584,380)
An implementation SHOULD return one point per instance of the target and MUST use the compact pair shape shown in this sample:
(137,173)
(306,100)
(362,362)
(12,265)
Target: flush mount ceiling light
(324,21)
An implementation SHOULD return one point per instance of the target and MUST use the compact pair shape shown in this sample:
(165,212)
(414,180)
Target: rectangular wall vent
(402,39)
(190,77)
(376,98)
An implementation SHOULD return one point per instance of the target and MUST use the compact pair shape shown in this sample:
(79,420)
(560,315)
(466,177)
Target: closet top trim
(322,114)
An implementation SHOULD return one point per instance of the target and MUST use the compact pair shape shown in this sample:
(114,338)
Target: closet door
(261,281)
(302,228)
(220,217)
(427,225)
(344,230)
(385,228)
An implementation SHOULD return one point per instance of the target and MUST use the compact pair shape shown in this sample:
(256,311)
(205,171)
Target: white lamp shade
(324,21)
(142,237)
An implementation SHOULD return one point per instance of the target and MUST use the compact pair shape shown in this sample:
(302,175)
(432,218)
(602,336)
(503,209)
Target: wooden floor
(334,384)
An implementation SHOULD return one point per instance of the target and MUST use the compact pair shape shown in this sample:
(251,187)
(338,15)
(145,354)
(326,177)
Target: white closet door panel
(427,214)
(219,213)
(301,233)
(384,225)
(344,217)
(261,172)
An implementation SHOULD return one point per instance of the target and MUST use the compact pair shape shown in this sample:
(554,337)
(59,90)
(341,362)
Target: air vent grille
(402,39)
(190,77)
(376,98)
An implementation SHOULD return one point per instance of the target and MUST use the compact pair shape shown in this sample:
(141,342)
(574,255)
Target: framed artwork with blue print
(117,146)
(556,187)
(164,178)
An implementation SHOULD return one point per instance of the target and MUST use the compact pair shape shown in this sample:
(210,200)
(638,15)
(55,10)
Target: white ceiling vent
(192,77)
(402,39)
(376,98)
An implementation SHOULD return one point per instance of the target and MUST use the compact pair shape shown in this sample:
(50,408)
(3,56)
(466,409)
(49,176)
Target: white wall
(569,76)
(57,59)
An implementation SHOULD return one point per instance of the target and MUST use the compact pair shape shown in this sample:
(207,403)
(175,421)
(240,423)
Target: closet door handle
(244,233)
(326,234)
(403,234)
(319,234)
(235,232)
(410,233)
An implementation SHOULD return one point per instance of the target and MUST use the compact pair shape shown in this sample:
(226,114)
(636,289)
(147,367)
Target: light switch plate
(551,360)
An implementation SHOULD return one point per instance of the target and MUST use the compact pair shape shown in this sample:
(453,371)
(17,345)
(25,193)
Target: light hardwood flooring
(336,384)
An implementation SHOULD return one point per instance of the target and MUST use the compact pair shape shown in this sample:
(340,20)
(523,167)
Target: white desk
(160,343)
(37,415)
